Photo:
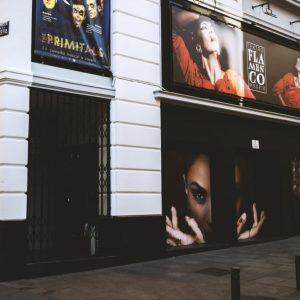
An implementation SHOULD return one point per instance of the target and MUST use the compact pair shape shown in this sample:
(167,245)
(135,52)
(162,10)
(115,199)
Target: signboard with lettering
(75,32)
(212,54)
(256,59)
(4,28)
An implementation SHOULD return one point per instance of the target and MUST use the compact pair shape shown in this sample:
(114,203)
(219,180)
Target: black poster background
(58,38)
(279,60)
(254,184)
(190,197)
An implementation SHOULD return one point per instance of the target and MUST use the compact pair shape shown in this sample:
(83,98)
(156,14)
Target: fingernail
(243,216)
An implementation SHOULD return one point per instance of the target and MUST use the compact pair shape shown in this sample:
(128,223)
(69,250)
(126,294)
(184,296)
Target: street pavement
(267,272)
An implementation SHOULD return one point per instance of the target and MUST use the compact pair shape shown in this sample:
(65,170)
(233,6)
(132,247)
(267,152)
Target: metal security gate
(68,174)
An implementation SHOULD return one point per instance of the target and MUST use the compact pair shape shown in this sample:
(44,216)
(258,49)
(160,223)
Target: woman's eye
(199,195)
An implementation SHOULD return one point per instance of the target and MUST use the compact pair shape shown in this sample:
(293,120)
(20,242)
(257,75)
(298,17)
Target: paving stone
(267,271)
(269,280)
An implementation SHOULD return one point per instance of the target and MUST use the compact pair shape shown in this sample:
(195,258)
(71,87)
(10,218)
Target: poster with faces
(193,208)
(188,198)
(73,31)
(213,55)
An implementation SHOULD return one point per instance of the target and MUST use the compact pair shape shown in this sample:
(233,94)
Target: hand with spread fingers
(176,237)
(256,227)
(298,65)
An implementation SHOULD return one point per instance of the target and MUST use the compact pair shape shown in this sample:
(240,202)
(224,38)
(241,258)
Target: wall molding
(217,106)
(23,79)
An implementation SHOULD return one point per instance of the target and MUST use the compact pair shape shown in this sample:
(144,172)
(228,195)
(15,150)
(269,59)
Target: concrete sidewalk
(267,272)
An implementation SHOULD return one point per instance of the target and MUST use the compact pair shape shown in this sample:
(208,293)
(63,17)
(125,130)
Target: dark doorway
(258,192)
(68,174)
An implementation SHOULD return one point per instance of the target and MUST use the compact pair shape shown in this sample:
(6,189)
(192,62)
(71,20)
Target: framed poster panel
(73,34)
(212,55)
(188,196)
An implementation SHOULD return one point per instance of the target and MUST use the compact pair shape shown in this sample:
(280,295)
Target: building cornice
(23,79)
(293,3)
(217,106)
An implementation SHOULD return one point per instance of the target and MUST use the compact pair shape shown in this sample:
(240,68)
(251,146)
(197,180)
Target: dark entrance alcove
(68,175)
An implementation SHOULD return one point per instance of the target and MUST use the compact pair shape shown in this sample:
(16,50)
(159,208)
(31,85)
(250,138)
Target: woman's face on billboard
(49,4)
(208,39)
(198,191)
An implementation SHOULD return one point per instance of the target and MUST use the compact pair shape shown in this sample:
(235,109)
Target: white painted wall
(15,51)
(17,74)
(284,14)
(14,105)
(135,115)
(283,9)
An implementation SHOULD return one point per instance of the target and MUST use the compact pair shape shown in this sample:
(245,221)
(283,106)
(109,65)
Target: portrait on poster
(189,201)
(73,31)
(188,194)
(205,54)
(212,54)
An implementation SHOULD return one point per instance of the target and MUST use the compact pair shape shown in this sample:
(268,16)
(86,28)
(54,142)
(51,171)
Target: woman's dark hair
(193,30)
(191,160)
(197,24)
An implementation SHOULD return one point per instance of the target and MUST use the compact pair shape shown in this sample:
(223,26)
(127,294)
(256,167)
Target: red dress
(287,89)
(231,83)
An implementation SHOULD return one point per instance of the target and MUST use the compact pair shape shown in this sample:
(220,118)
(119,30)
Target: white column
(135,115)
(14,105)
(15,64)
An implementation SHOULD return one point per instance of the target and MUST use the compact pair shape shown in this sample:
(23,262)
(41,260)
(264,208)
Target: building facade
(95,155)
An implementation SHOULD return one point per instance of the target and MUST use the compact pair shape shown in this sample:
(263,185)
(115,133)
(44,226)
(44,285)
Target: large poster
(73,31)
(216,56)
(188,197)
(198,209)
